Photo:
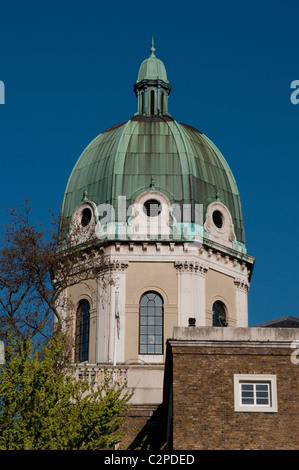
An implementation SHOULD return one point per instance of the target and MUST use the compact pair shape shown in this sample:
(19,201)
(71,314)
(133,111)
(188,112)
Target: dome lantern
(152,87)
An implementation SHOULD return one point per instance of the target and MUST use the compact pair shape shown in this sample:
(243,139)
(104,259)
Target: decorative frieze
(191,266)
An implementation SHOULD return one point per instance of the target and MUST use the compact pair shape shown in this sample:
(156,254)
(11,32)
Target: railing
(101,375)
(145,380)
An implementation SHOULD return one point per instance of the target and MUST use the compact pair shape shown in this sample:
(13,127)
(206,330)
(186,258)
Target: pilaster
(241,289)
(111,303)
(191,291)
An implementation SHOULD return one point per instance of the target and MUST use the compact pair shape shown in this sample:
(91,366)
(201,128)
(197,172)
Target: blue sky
(69,69)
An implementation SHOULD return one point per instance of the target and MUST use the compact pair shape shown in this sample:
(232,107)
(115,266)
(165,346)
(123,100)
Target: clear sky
(69,68)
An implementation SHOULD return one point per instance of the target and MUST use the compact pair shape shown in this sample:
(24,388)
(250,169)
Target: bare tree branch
(36,267)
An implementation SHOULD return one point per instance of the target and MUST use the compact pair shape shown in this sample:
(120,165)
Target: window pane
(262,387)
(262,401)
(247,401)
(150,296)
(143,311)
(151,310)
(151,339)
(247,386)
(261,394)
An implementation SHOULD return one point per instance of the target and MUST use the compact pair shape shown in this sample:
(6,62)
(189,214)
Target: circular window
(152,208)
(86,217)
(218,219)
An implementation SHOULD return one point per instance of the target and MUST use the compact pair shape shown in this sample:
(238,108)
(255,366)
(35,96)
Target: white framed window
(255,392)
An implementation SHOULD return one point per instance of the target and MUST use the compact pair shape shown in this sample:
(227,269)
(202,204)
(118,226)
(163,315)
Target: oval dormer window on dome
(86,216)
(83,222)
(217,218)
(152,208)
(219,224)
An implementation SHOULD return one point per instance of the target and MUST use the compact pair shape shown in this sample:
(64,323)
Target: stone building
(153,204)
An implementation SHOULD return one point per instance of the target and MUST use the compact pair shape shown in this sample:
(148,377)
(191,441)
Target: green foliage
(42,406)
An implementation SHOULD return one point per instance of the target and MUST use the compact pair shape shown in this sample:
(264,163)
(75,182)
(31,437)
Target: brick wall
(202,375)
(144,429)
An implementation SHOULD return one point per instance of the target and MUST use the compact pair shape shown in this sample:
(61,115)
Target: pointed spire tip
(153,47)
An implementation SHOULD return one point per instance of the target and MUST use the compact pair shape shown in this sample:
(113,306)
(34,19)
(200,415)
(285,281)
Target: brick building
(232,388)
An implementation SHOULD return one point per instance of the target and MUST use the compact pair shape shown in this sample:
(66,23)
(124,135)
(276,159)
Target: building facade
(155,219)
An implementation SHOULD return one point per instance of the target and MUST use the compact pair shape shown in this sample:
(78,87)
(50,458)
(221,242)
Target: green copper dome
(152,149)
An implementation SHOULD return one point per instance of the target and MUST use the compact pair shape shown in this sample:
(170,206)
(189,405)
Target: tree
(36,267)
(43,406)
(25,278)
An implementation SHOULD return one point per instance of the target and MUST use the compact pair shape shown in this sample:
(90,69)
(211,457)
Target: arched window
(151,324)
(82,331)
(219,315)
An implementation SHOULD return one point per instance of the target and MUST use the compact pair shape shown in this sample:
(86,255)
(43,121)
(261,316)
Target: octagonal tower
(158,200)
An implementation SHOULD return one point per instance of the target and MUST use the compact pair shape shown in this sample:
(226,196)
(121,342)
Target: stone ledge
(235,334)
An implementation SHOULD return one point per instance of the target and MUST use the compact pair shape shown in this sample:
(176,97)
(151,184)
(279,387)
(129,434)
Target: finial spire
(153,48)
